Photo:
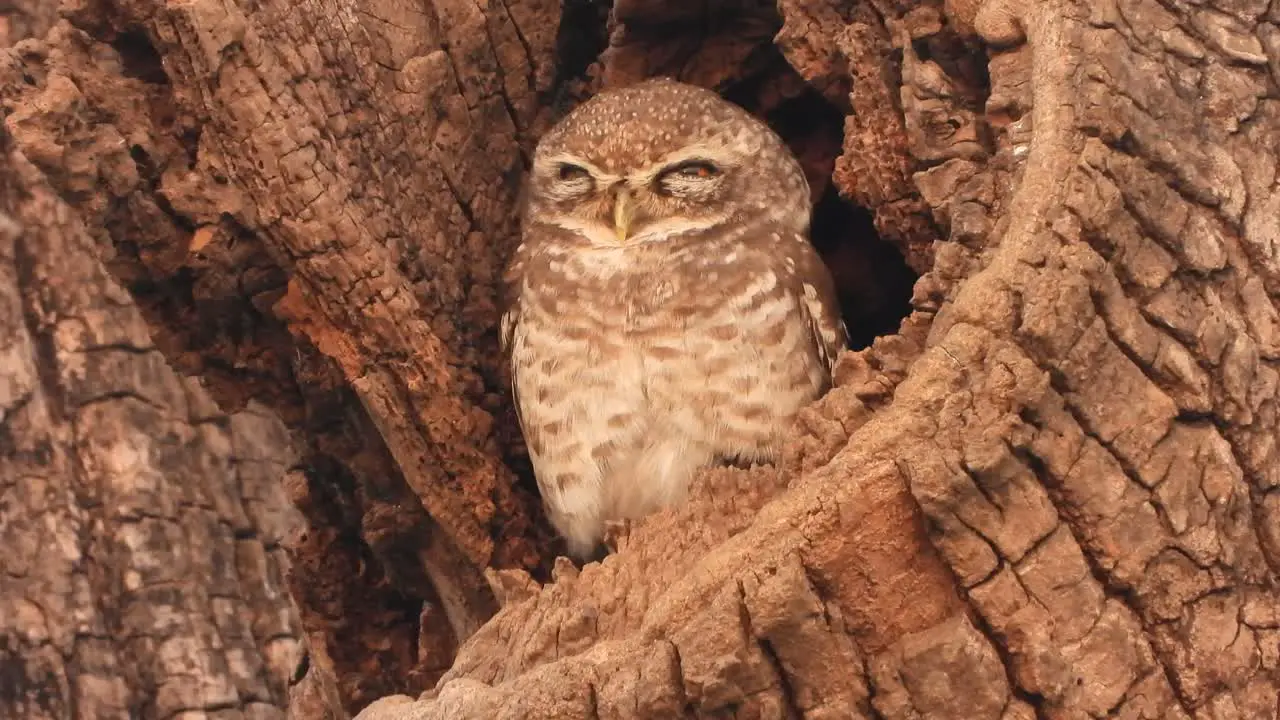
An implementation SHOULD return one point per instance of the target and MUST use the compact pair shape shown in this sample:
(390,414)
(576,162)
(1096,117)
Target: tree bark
(1052,491)
(142,572)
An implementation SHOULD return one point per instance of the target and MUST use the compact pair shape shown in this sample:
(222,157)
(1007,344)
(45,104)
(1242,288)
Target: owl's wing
(819,305)
(506,343)
(507,330)
(508,325)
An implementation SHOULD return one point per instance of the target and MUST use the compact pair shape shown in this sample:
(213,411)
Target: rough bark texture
(22,19)
(1053,492)
(142,572)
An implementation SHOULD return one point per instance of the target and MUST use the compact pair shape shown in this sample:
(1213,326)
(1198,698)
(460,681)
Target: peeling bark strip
(1054,493)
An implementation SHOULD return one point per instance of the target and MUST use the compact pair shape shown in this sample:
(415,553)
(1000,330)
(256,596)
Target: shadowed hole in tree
(139,57)
(377,631)
(582,36)
(873,280)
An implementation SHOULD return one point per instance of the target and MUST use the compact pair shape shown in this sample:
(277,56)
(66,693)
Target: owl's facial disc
(677,195)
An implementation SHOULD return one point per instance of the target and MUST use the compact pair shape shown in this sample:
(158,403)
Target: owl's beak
(623,210)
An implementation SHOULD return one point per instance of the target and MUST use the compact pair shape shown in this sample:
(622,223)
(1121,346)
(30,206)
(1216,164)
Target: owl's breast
(722,357)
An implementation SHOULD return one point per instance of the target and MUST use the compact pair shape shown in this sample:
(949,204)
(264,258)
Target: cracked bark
(1052,491)
(142,526)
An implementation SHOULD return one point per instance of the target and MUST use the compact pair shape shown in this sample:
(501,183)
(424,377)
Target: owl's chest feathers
(635,291)
(679,334)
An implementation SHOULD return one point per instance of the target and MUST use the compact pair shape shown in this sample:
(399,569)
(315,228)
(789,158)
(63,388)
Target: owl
(665,310)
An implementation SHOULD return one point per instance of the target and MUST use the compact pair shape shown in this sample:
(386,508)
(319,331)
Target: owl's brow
(718,155)
(571,159)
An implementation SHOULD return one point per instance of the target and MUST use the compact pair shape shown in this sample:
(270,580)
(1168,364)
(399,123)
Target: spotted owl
(665,310)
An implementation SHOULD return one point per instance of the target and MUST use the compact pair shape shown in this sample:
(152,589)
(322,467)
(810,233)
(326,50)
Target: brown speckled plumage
(692,338)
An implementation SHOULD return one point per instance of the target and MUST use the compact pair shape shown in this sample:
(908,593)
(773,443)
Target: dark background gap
(873,281)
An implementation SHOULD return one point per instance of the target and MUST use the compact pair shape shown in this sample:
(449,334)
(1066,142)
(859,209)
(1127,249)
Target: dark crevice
(790,703)
(139,57)
(8,445)
(677,674)
(593,702)
(964,60)
(583,34)
(302,668)
(873,281)
(873,712)
(142,159)
(345,591)
(789,699)
(42,337)
(393,528)
(180,221)
(1000,643)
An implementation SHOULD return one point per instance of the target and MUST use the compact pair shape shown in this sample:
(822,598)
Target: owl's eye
(692,170)
(688,178)
(568,172)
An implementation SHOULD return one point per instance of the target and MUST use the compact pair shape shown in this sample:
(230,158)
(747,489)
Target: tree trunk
(142,571)
(1052,490)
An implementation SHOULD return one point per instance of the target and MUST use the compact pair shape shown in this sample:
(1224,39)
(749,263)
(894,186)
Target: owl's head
(661,159)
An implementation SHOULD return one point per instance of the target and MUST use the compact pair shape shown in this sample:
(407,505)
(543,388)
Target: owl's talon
(563,570)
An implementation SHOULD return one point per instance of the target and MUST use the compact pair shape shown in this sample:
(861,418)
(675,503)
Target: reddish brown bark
(1051,492)
(142,571)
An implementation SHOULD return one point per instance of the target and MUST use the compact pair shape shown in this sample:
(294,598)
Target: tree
(141,525)
(1051,490)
